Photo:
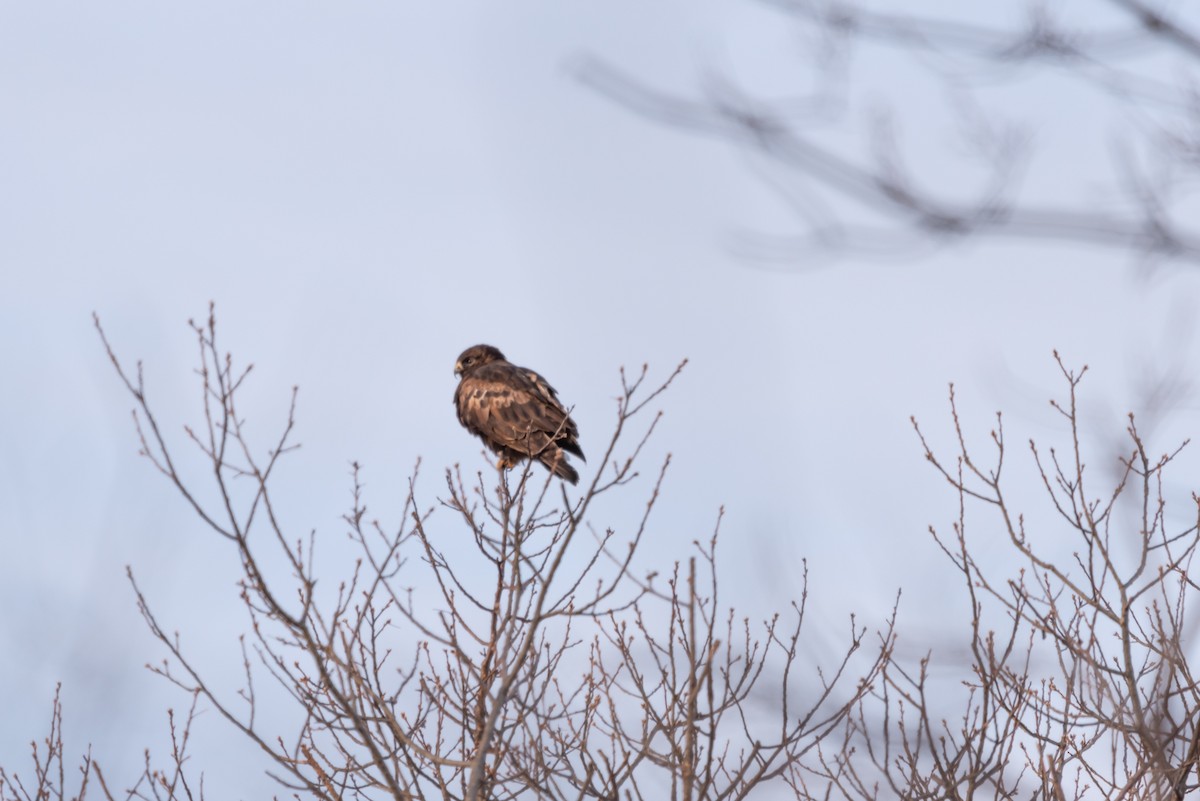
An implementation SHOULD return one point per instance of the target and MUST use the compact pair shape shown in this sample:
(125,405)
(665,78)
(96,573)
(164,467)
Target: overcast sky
(367,188)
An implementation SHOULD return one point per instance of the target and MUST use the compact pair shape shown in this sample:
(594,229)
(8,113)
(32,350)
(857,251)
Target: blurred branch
(914,208)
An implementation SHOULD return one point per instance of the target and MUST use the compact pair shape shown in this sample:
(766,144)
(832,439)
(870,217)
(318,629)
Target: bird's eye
(468,360)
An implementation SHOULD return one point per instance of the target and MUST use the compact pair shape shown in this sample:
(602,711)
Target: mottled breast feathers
(515,412)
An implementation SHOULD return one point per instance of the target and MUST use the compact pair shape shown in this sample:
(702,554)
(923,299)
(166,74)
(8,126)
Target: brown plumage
(514,411)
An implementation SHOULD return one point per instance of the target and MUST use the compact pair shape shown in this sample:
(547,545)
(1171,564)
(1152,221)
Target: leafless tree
(1140,58)
(510,646)
(1079,683)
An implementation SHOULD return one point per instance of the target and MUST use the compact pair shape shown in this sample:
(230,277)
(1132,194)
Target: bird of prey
(514,411)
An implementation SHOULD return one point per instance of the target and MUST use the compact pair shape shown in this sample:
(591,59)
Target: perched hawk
(514,411)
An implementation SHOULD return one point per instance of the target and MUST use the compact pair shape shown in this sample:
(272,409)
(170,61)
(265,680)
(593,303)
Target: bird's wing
(565,431)
(502,404)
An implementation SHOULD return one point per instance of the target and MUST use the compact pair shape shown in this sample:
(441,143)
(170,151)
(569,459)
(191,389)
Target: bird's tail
(557,462)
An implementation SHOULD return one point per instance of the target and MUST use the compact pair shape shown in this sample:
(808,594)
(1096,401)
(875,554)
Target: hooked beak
(458,368)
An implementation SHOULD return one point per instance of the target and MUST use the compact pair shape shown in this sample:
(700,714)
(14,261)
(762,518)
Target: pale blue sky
(367,188)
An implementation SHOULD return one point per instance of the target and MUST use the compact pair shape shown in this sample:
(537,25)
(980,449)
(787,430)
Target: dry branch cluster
(507,647)
(510,651)
(1079,684)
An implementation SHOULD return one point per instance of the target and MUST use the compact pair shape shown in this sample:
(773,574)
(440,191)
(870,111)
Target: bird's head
(476,355)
